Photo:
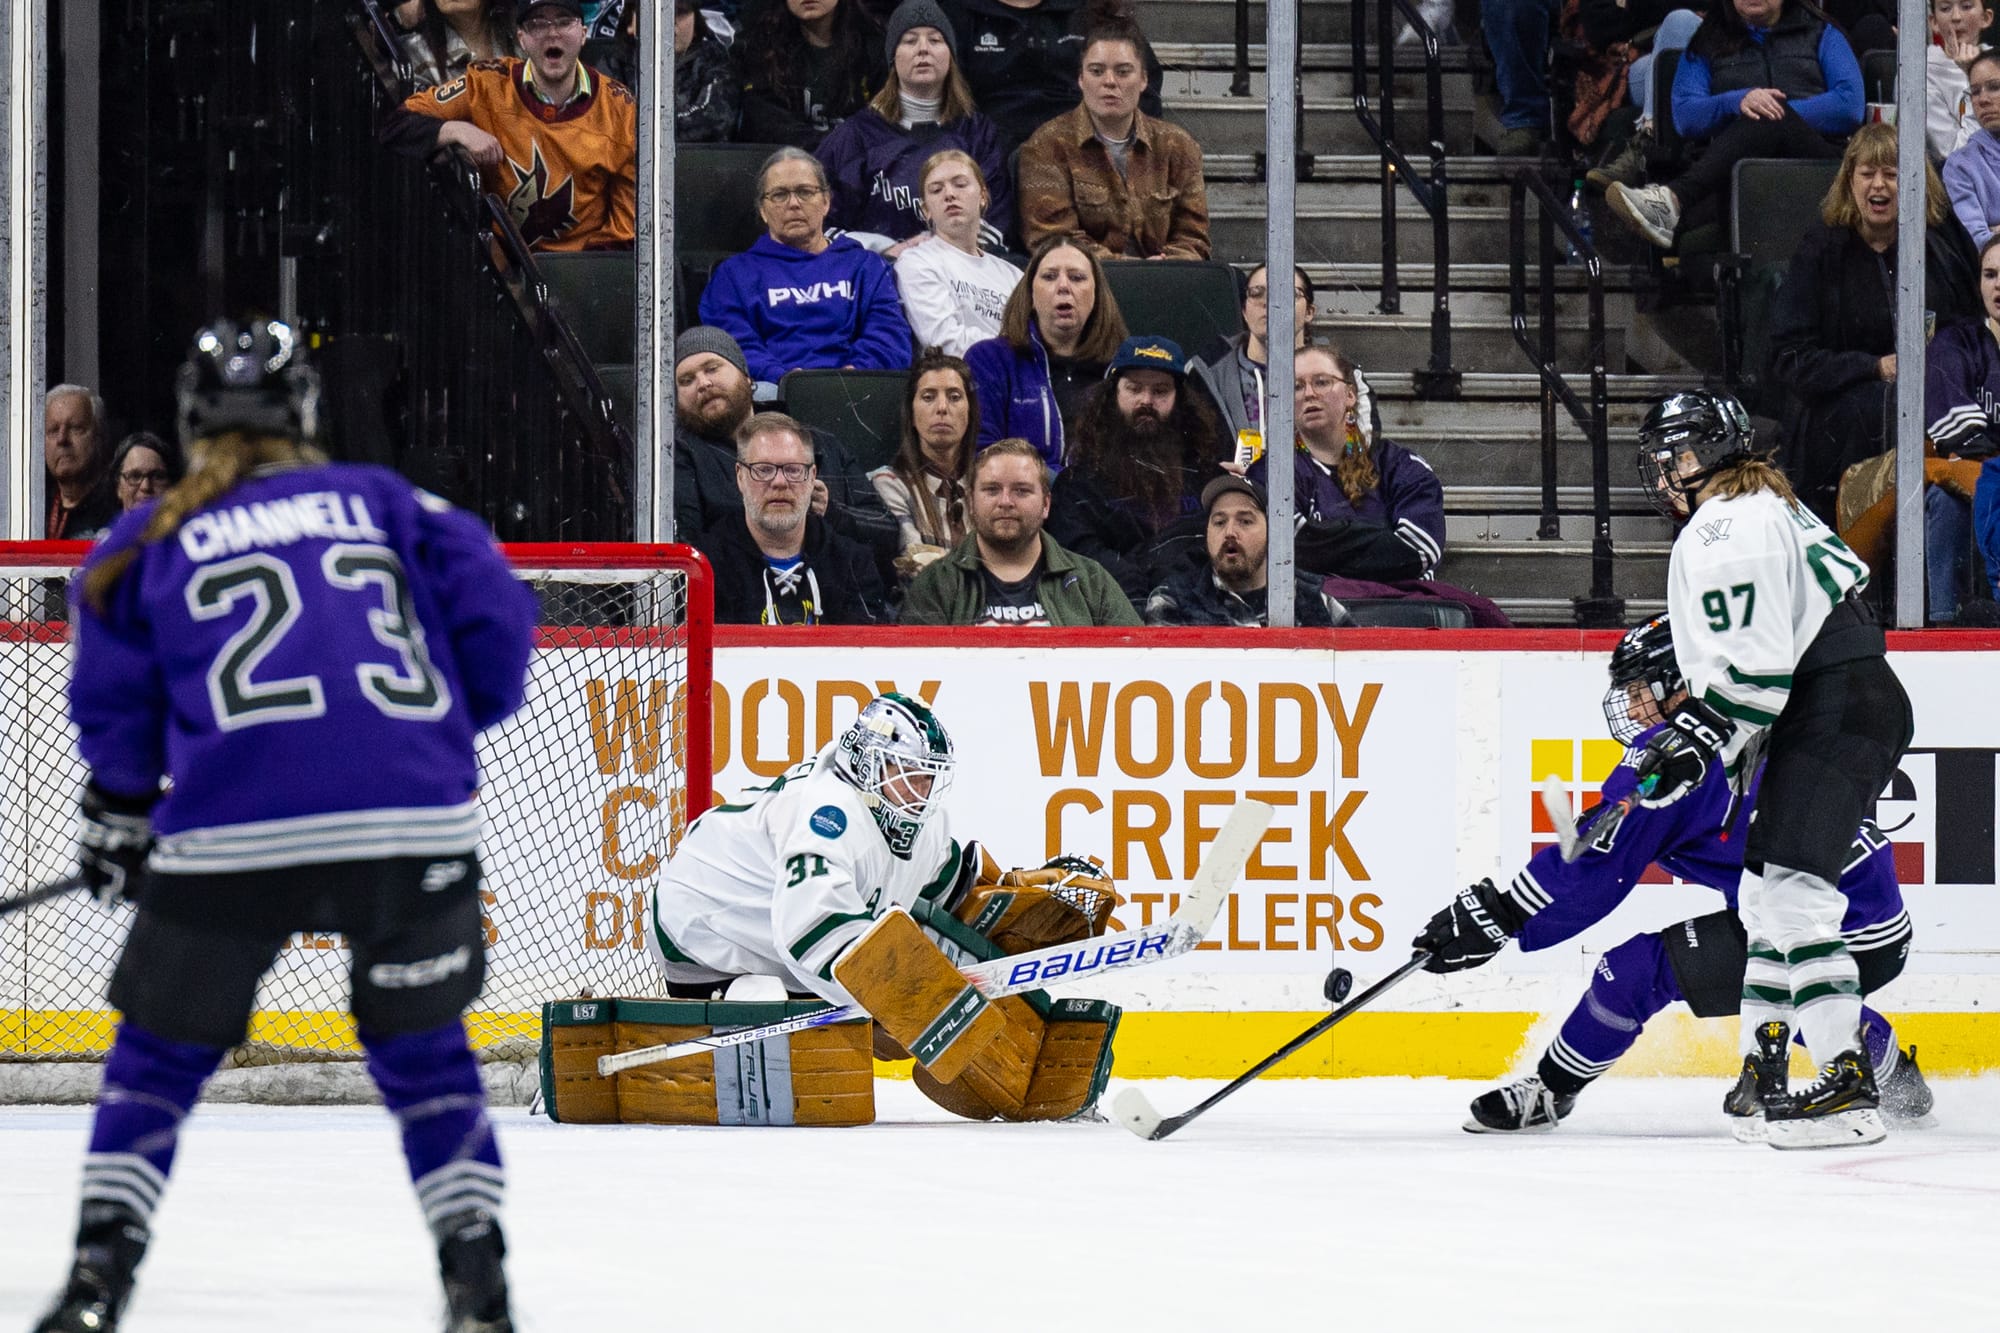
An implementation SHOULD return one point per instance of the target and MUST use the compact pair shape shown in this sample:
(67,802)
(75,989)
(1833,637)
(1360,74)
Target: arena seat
(1193,301)
(593,292)
(1774,202)
(863,407)
(714,188)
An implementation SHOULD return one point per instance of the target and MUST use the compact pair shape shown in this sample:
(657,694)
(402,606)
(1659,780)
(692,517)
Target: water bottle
(1579,211)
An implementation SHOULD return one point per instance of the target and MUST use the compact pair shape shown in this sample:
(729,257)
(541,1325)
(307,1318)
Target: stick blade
(1222,864)
(1555,804)
(1131,1109)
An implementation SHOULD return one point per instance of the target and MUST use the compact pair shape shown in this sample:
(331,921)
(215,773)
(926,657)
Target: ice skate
(1840,1110)
(110,1241)
(1906,1098)
(475,1284)
(1526,1105)
(1765,1076)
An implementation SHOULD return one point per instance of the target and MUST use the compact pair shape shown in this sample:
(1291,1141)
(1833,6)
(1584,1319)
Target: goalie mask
(897,756)
(1644,676)
(1711,430)
(250,377)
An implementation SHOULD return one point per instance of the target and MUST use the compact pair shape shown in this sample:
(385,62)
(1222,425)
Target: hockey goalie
(841,883)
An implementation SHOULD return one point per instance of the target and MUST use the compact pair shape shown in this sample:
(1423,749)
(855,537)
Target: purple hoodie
(874,167)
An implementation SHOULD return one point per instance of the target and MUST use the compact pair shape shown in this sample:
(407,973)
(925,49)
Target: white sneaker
(1651,210)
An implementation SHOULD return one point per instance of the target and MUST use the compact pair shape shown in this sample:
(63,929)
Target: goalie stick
(1012,975)
(47,891)
(1132,1110)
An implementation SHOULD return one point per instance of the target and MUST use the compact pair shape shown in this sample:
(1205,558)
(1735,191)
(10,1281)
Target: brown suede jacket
(1069,187)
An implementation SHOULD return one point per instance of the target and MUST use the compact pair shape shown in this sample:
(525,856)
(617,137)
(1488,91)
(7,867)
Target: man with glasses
(711,403)
(800,299)
(552,137)
(778,563)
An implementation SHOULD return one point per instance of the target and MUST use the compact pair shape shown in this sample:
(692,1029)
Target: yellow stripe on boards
(1188,1045)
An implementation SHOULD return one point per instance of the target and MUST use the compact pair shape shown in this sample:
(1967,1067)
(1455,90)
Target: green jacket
(1075,590)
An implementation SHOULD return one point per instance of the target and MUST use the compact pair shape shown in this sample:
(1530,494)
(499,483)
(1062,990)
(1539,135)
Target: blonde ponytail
(1748,477)
(219,462)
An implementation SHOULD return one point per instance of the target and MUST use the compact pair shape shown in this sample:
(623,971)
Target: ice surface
(1296,1205)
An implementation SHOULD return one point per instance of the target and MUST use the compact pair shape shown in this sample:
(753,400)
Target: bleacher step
(1236,124)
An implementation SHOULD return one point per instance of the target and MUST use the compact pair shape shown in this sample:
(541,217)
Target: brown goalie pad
(821,1076)
(1047,1065)
(1068,900)
(909,987)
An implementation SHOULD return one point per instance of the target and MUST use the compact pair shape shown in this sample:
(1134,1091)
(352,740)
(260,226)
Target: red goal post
(584,791)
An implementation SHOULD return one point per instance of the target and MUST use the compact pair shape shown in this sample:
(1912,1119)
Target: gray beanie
(708,338)
(916,14)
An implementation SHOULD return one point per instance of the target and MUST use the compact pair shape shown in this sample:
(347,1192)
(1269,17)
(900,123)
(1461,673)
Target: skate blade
(1748,1129)
(1473,1126)
(1843,1129)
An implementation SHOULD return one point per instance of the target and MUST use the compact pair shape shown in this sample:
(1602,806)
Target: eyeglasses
(1258,295)
(1990,88)
(541,26)
(805,194)
(154,477)
(766,473)
(1320,385)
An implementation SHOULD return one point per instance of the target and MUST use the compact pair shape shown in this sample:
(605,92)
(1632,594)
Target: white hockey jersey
(782,884)
(1751,581)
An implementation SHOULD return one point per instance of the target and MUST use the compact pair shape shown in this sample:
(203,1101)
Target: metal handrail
(576,377)
(1439,379)
(1602,608)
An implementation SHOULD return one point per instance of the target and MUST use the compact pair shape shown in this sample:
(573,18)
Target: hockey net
(584,793)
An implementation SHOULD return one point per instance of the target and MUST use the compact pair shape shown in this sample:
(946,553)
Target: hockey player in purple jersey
(280,668)
(1700,961)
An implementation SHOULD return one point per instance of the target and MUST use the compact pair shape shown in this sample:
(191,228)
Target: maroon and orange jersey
(566,172)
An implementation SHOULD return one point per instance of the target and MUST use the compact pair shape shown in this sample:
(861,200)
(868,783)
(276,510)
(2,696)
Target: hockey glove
(1676,759)
(112,847)
(1476,926)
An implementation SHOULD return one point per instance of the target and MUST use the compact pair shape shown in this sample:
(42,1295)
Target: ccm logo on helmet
(423,972)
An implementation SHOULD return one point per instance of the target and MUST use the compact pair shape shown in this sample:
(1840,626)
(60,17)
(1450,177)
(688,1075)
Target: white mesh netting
(583,792)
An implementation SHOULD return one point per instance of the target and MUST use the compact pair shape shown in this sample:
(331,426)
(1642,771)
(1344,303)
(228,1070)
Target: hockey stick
(1000,977)
(1555,804)
(53,890)
(1132,1110)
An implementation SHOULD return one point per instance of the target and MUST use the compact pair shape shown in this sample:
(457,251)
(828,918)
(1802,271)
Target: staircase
(1486,445)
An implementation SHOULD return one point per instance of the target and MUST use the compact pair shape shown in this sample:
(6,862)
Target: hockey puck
(1338,983)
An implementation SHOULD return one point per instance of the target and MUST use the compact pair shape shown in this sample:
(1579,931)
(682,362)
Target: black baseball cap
(1231,484)
(527,7)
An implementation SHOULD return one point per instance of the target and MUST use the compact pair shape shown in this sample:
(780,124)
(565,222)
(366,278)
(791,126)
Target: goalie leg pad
(821,1076)
(908,986)
(1051,1064)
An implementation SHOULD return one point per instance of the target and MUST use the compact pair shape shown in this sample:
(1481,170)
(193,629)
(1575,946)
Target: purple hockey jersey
(1689,839)
(308,659)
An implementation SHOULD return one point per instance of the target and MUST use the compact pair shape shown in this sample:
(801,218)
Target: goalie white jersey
(1752,580)
(783,883)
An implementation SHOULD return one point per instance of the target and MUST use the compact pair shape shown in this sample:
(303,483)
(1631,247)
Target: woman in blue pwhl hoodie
(876,156)
(799,299)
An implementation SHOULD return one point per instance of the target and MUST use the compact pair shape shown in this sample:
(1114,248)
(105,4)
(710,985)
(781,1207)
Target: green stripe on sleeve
(827,925)
(1783,682)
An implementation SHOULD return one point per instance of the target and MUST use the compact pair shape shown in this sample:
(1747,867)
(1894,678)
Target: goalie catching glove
(1067,899)
(1475,927)
(113,843)
(1676,759)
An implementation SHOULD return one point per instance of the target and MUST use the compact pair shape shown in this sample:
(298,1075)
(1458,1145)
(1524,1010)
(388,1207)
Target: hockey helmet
(1713,427)
(1645,658)
(250,377)
(898,757)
